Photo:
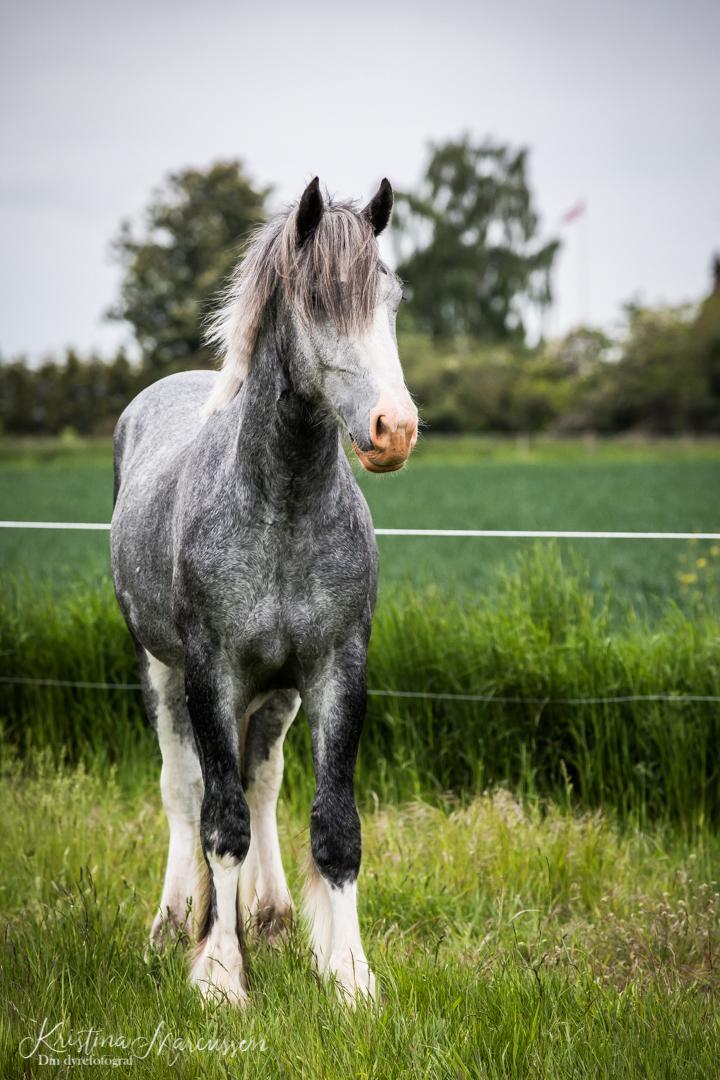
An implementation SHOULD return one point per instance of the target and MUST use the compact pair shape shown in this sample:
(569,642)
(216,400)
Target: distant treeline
(77,395)
(469,250)
(662,376)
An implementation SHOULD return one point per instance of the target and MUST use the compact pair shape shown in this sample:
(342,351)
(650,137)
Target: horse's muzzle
(392,436)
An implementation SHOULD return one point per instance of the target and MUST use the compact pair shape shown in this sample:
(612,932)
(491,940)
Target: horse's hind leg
(262,882)
(181,789)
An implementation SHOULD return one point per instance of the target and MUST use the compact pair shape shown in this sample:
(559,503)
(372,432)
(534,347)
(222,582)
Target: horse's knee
(335,836)
(225,823)
(181,786)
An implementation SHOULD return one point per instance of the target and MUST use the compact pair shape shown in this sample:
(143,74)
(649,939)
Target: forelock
(332,276)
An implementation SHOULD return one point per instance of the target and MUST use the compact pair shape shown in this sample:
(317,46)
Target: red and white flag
(573,213)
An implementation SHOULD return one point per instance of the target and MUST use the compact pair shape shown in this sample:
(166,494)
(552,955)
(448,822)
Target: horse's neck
(284,454)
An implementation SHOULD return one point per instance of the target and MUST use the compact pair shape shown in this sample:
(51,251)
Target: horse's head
(343,302)
(335,306)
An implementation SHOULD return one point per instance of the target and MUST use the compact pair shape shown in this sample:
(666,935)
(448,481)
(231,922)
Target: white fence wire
(486,534)
(490,699)
(421,695)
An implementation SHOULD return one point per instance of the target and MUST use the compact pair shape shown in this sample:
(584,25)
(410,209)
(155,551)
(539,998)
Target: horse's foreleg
(218,967)
(181,789)
(263,886)
(335,705)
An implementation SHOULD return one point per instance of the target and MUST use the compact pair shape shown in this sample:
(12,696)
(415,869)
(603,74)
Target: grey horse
(245,565)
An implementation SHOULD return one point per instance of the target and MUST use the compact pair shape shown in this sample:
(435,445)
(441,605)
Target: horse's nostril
(392,434)
(382,431)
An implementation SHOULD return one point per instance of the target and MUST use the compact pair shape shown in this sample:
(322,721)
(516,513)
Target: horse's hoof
(271,925)
(167,929)
(213,993)
(218,973)
(354,982)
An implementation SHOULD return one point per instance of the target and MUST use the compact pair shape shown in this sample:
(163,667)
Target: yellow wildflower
(701,563)
(687,579)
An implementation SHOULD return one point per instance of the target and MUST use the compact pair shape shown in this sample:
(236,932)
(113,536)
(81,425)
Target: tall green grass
(510,939)
(542,636)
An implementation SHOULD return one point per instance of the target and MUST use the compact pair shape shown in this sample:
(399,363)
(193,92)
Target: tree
(193,231)
(467,243)
(582,351)
(705,344)
(657,385)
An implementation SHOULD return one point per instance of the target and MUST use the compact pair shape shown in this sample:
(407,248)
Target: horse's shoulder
(164,417)
(182,389)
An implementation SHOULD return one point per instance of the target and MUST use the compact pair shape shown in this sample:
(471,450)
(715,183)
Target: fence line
(540,534)
(90,526)
(490,699)
(517,534)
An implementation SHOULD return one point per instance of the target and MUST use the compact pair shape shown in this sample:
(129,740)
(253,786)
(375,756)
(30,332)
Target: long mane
(331,276)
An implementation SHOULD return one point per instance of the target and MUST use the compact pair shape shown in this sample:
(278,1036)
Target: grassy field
(511,939)
(535,647)
(539,894)
(449,484)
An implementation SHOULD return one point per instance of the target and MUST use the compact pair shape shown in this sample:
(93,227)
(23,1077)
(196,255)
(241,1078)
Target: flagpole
(579,214)
(584,275)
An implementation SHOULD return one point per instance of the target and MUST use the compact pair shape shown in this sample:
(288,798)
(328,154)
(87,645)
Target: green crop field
(449,484)
(540,893)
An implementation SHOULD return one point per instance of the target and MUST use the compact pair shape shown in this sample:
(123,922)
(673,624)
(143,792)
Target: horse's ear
(379,209)
(310,211)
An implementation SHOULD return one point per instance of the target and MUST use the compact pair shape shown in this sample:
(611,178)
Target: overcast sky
(619,103)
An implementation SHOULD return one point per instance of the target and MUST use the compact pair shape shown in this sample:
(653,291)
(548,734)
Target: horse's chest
(286,597)
(283,625)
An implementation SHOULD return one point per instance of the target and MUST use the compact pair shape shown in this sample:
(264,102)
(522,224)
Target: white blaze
(378,352)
